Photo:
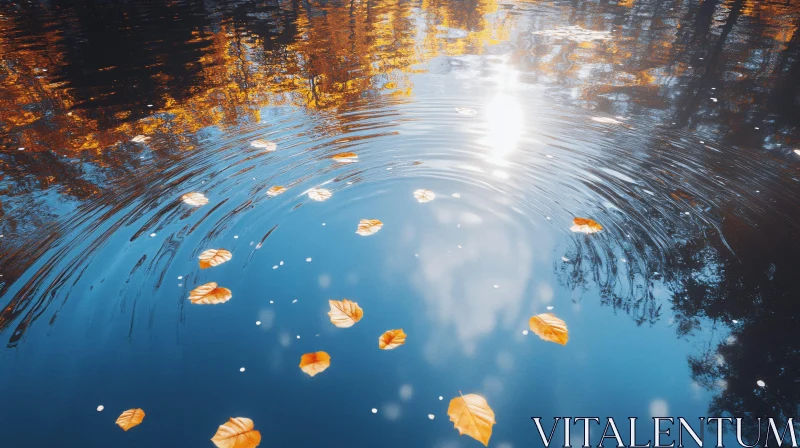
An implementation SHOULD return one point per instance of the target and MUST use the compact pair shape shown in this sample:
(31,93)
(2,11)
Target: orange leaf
(550,328)
(237,433)
(319,194)
(264,144)
(276,190)
(195,199)
(314,363)
(130,418)
(367,227)
(471,415)
(345,157)
(585,225)
(424,195)
(345,313)
(210,294)
(391,339)
(214,257)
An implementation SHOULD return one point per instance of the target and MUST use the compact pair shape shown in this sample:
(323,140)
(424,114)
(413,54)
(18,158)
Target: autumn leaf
(140,139)
(319,194)
(585,225)
(276,190)
(367,227)
(264,144)
(195,199)
(345,157)
(314,363)
(237,433)
(424,195)
(344,313)
(391,339)
(214,257)
(550,328)
(471,415)
(467,111)
(210,294)
(130,418)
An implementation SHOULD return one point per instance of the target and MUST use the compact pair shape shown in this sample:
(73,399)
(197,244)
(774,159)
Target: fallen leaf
(585,225)
(550,328)
(264,144)
(195,199)
(606,120)
(140,139)
(276,190)
(314,363)
(467,111)
(210,294)
(319,194)
(345,157)
(214,257)
(345,313)
(367,227)
(130,418)
(237,433)
(424,195)
(471,415)
(392,339)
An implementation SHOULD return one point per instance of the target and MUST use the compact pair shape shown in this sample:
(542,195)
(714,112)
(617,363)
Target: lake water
(672,124)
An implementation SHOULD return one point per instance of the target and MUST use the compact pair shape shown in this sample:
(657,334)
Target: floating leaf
(319,194)
(264,144)
(585,225)
(392,339)
(471,415)
(467,111)
(345,157)
(130,418)
(550,328)
(314,363)
(210,294)
(344,313)
(367,227)
(424,195)
(276,190)
(237,433)
(214,257)
(140,139)
(195,199)
(606,120)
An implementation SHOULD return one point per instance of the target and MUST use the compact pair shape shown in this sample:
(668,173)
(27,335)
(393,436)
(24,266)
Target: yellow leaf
(195,199)
(345,313)
(210,294)
(550,328)
(237,433)
(424,195)
(585,225)
(264,144)
(214,257)
(471,415)
(276,190)
(367,227)
(391,339)
(319,194)
(130,418)
(345,157)
(314,363)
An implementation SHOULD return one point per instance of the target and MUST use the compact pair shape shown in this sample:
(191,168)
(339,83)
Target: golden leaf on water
(585,225)
(471,415)
(314,363)
(276,190)
(345,157)
(130,418)
(367,227)
(140,139)
(195,199)
(214,257)
(319,194)
(344,313)
(467,111)
(424,195)
(392,339)
(237,433)
(550,328)
(210,294)
(264,144)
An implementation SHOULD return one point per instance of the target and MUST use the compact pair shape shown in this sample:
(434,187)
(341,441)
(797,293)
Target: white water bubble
(456,195)
(241,369)
(308,260)
(258,322)
(761,383)
(100,408)
(525,332)
(430,416)
(374,411)
(281,263)
(152,235)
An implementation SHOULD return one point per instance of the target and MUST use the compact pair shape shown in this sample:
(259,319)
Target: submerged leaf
(276,190)
(550,328)
(314,363)
(210,294)
(368,227)
(585,225)
(130,418)
(237,433)
(424,195)
(471,415)
(195,199)
(214,257)
(319,194)
(264,144)
(392,339)
(344,313)
(345,157)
